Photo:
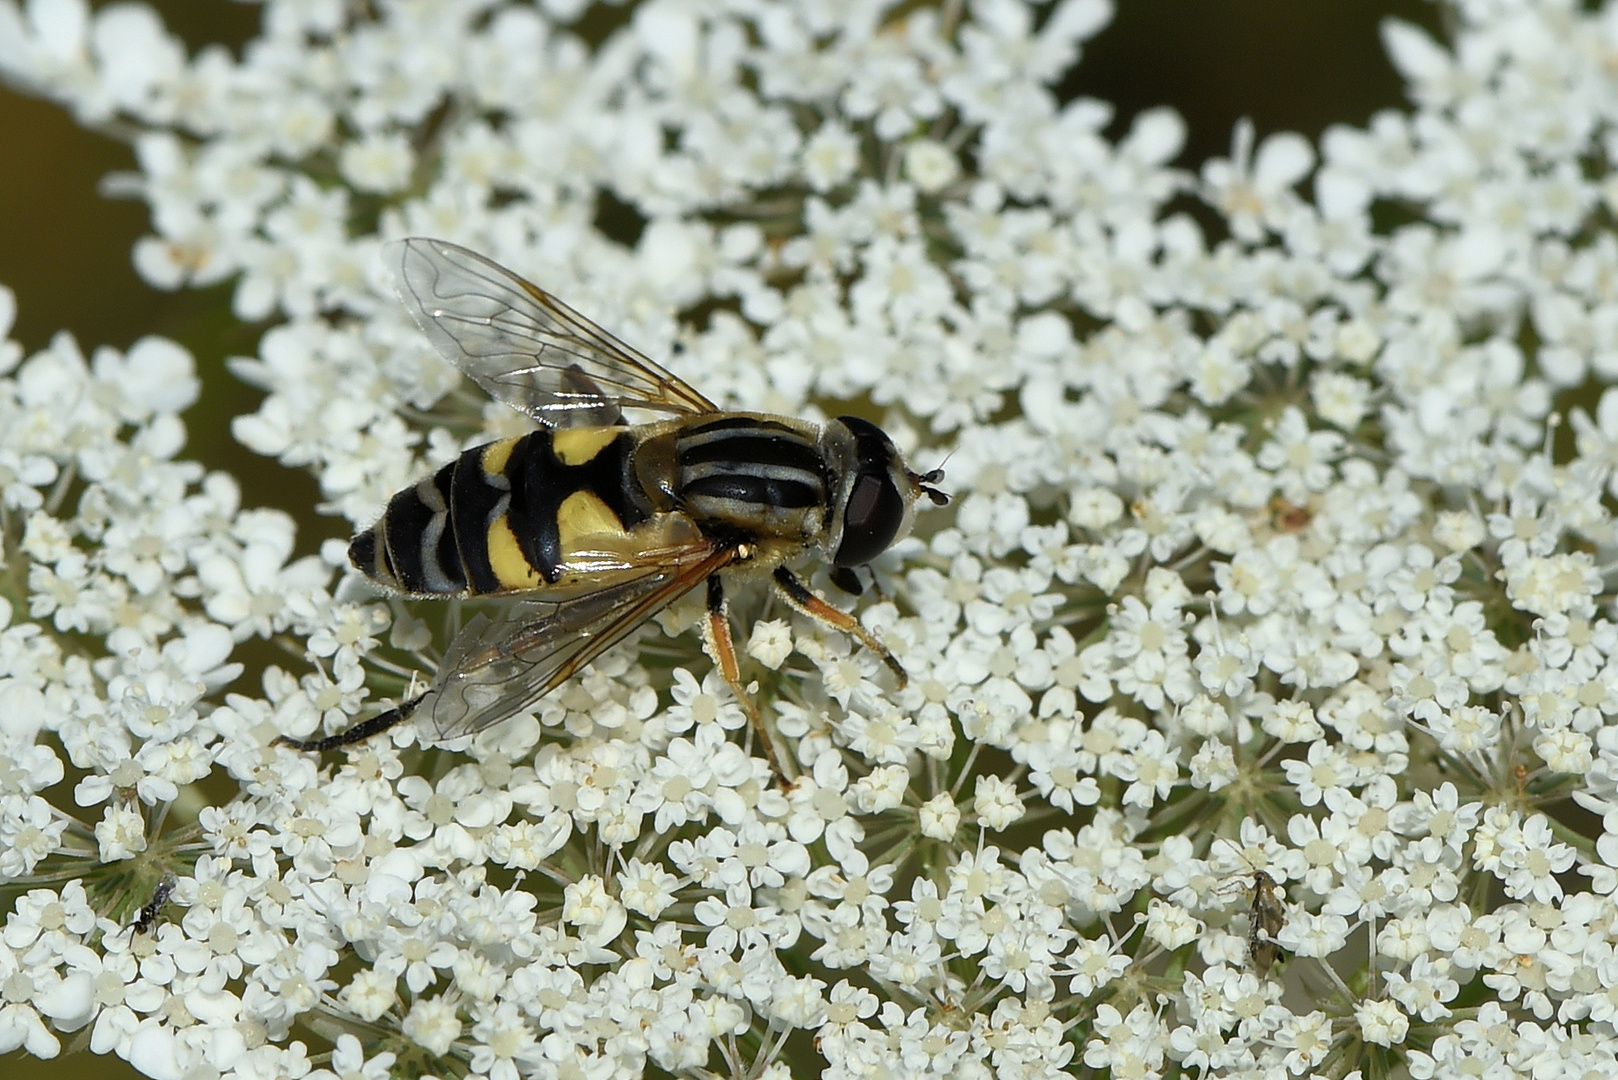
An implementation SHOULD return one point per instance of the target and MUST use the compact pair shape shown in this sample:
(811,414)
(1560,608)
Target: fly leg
(800,597)
(359,732)
(716,637)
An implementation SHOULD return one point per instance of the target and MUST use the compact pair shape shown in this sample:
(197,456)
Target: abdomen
(534,512)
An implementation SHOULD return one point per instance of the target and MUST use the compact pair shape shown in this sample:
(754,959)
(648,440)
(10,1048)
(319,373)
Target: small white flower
(1170,926)
(889,87)
(930,165)
(431,1023)
(587,905)
(121,833)
(1381,1023)
(830,155)
(1293,722)
(770,643)
(1340,399)
(940,817)
(377,162)
(1255,193)
(996,803)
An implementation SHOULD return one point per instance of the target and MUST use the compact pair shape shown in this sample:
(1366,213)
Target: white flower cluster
(1272,615)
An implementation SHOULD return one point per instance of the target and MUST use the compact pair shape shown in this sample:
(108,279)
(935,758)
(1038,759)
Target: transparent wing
(524,346)
(499,666)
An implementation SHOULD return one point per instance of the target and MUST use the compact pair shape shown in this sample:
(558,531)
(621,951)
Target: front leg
(716,638)
(800,597)
(846,579)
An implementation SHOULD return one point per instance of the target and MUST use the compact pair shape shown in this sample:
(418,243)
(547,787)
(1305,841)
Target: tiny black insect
(148,914)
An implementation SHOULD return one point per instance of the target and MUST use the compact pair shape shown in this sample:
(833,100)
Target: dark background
(1299,65)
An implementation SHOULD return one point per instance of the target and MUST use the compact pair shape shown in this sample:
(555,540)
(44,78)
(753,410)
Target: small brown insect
(1289,517)
(1265,917)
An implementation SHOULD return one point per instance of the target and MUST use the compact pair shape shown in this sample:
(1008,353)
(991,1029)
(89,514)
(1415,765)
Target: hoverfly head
(876,492)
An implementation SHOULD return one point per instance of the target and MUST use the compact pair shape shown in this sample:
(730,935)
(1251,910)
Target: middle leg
(716,636)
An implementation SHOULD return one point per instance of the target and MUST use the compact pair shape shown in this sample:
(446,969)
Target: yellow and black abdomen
(512,515)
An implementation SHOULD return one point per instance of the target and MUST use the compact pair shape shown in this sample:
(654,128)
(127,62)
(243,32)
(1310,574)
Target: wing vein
(524,346)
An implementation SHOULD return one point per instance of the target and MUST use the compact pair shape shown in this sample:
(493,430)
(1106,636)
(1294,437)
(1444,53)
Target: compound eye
(871,519)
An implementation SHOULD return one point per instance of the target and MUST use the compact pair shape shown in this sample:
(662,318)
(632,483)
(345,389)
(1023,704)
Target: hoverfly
(591,525)
(1266,915)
